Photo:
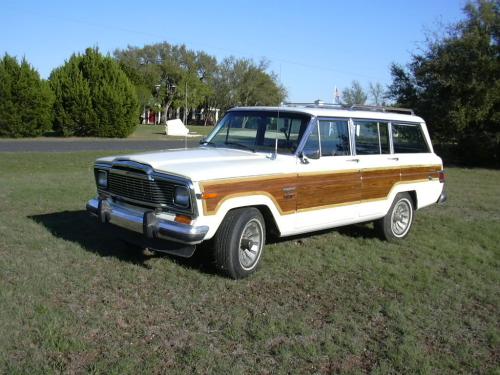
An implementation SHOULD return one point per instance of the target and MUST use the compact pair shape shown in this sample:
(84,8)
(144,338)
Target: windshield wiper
(240,145)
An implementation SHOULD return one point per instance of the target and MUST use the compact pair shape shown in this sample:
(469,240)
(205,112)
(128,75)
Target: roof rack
(355,107)
(316,104)
(379,108)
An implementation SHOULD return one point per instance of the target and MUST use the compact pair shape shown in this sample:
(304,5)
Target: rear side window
(372,137)
(334,136)
(408,139)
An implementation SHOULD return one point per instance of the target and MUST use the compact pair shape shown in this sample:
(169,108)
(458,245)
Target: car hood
(208,163)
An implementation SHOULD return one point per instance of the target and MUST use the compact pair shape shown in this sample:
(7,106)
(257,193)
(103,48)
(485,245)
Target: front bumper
(145,222)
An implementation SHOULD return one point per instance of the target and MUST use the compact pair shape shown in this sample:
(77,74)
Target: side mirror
(305,156)
(312,154)
(203,140)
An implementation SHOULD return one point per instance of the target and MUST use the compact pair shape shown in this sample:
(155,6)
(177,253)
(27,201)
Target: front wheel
(239,242)
(396,224)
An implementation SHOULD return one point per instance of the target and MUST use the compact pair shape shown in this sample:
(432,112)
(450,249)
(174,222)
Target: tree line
(96,95)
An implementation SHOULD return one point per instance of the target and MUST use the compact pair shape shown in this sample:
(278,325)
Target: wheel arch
(414,200)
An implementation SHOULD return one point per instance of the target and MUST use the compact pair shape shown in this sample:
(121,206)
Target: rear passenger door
(329,183)
(379,168)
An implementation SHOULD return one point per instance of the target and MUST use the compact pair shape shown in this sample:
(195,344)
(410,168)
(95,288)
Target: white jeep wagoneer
(284,170)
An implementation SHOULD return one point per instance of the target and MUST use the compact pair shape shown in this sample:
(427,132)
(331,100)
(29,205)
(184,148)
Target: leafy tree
(25,100)
(354,94)
(454,82)
(209,84)
(243,82)
(93,97)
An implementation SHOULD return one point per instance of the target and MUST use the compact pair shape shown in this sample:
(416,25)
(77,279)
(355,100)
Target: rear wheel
(239,242)
(397,223)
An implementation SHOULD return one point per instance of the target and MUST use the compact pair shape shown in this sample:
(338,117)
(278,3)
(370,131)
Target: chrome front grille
(157,193)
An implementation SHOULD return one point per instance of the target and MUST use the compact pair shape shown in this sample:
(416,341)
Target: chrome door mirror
(311,154)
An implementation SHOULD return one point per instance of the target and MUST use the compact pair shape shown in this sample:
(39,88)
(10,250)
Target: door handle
(355,160)
(396,159)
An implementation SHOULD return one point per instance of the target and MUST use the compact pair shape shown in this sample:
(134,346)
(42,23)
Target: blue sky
(312,46)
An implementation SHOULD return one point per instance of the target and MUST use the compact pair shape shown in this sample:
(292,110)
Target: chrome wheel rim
(401,218)
(250,246)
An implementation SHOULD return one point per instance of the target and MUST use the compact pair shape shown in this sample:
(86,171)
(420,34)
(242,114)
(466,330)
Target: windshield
(258,131)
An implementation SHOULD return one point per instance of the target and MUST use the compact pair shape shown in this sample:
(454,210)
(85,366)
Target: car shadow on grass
(362,230)
(83,229)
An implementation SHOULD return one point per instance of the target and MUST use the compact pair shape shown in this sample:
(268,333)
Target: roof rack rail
(379,108)
(316,104)
(355,107)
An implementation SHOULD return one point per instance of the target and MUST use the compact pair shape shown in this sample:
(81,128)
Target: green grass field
(75,300)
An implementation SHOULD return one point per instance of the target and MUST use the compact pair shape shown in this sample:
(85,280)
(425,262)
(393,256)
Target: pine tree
(93,97)
(25,100)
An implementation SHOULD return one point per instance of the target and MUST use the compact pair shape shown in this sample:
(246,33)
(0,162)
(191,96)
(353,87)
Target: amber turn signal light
(208,195)
(183,219)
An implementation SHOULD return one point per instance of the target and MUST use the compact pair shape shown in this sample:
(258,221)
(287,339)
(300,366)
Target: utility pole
(186,104)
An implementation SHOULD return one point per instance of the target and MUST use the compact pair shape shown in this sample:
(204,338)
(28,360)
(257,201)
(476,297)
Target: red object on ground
(152,118)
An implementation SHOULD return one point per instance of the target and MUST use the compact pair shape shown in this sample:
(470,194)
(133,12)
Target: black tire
(234,250)
(396,224)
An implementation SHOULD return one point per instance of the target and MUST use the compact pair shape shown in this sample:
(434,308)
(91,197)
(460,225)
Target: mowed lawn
(73,299)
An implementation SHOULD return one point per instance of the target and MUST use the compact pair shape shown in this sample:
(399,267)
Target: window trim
(389,129)
(347,120)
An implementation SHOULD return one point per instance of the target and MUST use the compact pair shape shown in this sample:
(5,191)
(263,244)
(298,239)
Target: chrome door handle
(396,159)
(355,160)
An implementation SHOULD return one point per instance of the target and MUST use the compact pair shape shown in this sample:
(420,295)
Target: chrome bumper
(443,197)
(145,222)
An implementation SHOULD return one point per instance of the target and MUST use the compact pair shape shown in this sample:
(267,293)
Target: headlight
(102,179)
(181,196)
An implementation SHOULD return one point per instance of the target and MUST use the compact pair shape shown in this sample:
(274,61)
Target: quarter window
(408,138)
(372,137)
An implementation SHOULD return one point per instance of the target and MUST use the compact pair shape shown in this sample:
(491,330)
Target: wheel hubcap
(250,244)
(401,218)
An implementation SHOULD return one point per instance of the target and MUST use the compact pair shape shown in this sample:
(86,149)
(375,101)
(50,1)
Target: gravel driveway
(68,145)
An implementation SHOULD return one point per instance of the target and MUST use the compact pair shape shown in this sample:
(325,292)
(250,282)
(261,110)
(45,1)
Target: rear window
(408,139)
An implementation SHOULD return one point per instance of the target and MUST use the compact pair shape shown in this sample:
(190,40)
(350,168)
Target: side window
(372,137)
(312,144)
(408,138)
(334,135)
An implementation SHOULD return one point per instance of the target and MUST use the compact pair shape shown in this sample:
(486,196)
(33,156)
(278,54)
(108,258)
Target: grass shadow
(81,228)
(361,230)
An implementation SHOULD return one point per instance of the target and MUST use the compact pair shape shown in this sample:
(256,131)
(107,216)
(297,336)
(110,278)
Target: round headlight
(102,179)
(181,196)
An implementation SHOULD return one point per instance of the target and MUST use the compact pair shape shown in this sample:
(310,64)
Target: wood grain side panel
(419,173)
(377,184)
(293,192)
(270,186)
(326,190)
